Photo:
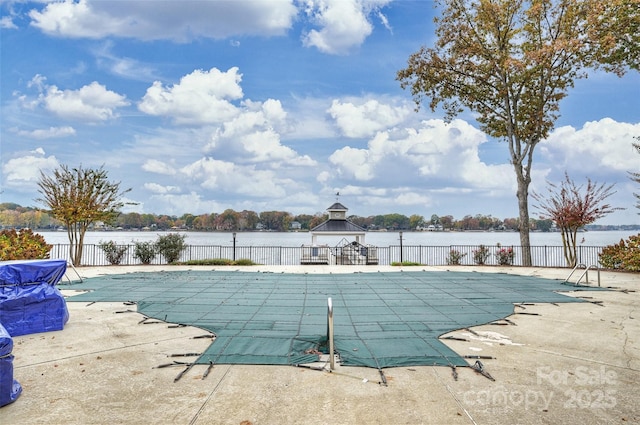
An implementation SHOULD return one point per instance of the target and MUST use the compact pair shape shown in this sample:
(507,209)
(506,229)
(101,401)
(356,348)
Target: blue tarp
(29,300)
(10,389)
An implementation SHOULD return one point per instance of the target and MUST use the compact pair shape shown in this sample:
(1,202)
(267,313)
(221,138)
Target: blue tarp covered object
(29,300)
(10,389)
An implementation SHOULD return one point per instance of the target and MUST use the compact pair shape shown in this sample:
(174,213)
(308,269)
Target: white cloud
(339,25)
(354,163)
(310,120)
(365,119)
(25,170)
(179,21)
(349,190)
(170,203)
(256,144)
(158,167)
(160,189)
(429,156)
(267,115)
(600,147)
(343,23)
(323,177)
(252,137)
(38,81)
(202,97)
(6,22)
(411,198)
(227,177)
(263,146)
(125,67)
(132,206)
(384,20)
(47,133)
(90,103)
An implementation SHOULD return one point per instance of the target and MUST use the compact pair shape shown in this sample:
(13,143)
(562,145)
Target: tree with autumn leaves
(571,207)
(79,197)
(512,61)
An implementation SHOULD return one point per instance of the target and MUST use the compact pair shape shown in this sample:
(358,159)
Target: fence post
(234,246)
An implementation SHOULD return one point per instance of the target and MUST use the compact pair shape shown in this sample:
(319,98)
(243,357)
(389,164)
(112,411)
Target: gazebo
(354,252)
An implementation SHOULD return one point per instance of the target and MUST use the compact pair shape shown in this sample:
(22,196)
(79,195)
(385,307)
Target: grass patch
(219,262)
(406,263)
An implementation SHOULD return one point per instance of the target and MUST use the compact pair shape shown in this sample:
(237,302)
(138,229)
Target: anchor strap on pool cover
(380,319)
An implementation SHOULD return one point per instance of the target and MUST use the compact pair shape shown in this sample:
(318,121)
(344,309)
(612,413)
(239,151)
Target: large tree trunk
(522,159)
(523,215)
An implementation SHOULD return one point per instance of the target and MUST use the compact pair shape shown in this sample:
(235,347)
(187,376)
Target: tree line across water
(16,216)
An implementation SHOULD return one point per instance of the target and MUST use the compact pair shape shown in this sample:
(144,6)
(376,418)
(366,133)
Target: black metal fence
(542,256)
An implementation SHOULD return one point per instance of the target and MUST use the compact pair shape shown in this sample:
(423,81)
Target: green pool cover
(380,319)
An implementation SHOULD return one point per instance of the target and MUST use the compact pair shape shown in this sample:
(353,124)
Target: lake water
(292,239)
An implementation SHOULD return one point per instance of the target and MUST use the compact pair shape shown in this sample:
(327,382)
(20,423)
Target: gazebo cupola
(338,225)
(337,211)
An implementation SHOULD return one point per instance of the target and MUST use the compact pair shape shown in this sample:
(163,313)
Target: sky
(201,106)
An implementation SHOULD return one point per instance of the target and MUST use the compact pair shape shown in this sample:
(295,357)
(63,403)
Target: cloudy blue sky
(200,106)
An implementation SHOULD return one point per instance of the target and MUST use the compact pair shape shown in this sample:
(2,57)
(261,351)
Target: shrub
(145,252)
(455,257)
(113,252)
(23,245)
(481,254)
(170,246)
(244,262)
(504,256)
(624,255)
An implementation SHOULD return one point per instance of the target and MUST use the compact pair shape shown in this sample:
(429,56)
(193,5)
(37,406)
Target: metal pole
(332,363)
(400,247)
(234,246)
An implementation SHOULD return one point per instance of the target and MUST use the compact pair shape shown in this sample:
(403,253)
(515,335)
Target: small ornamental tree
(79,197)
(572,207)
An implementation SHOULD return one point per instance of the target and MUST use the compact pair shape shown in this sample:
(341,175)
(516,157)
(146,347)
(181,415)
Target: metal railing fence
(542,256)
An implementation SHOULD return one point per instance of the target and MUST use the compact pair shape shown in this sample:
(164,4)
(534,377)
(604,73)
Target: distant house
(430,228)
(295,225)
(98,225)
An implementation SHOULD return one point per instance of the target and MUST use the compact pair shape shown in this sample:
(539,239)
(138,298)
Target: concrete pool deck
(564,363)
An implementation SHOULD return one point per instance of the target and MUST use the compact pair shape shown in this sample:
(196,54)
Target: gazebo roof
(338,226)
(337,206)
